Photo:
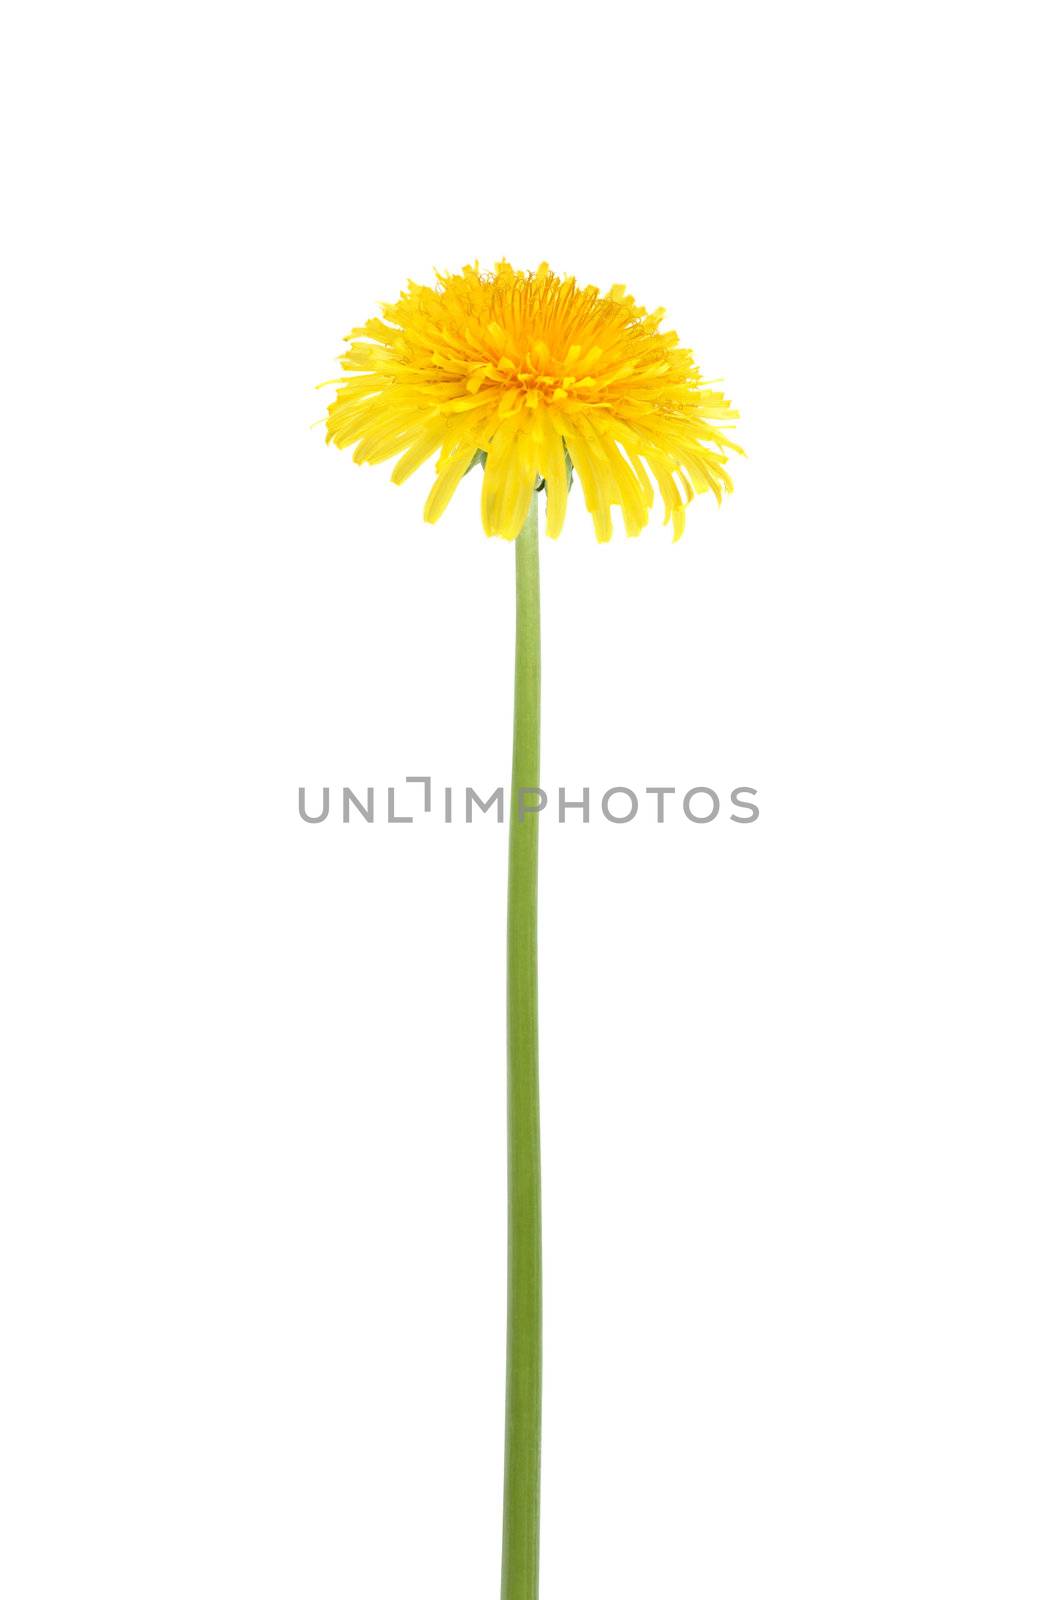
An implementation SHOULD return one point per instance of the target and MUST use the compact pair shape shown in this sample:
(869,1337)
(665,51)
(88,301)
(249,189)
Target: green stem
(524,1304)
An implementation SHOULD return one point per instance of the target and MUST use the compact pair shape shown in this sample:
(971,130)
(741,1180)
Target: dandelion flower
(543,381)
(539,376)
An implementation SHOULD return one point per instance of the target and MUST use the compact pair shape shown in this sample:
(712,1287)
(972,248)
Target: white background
(795,1104)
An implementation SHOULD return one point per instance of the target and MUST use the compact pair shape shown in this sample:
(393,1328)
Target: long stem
(524,1306)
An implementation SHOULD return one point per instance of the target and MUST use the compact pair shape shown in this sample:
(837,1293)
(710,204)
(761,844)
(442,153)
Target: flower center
(534,375)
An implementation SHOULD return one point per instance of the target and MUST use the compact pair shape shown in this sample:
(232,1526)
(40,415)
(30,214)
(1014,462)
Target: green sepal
(541,482)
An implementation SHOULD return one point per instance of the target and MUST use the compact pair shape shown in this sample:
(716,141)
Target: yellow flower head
(529,369)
